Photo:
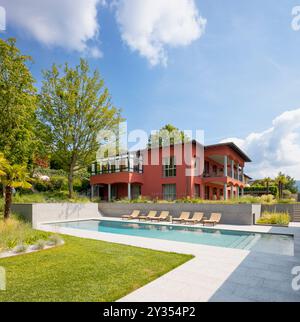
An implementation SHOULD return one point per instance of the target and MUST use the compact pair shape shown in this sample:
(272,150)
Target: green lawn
(84,270)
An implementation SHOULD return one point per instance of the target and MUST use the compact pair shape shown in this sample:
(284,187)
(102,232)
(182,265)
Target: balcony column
(94,168)
(238,192)
(242,173)
(225,166)
(232,169)
(109,192)
(225,191)
(92,192)
(231,192)
(242,192)
(238,172)
(129,191)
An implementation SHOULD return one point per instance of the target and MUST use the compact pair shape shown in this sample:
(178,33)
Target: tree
(167,135)
(281,181)
(291,184)
(74,107)
(17,104)
(267,181)
(12,176)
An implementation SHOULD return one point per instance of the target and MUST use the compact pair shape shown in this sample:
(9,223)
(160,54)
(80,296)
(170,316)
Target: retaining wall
(243,214)
(49,212)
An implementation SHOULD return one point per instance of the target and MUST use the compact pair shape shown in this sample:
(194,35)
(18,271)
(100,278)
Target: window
(169,167)
(169,191)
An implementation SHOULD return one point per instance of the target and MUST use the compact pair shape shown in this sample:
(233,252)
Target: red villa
(163,177)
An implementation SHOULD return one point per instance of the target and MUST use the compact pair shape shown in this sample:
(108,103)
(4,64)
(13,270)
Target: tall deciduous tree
(74,106)
(17,104)
(167,135)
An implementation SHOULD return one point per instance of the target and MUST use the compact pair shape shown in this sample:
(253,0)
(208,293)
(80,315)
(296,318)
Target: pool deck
(215,274)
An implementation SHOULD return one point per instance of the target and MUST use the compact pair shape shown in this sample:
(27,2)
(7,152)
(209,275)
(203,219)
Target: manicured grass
(84,270)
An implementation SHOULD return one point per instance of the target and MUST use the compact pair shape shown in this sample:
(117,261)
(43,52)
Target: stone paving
(215,274)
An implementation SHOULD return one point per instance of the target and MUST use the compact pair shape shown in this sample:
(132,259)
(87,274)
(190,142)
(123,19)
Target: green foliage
(282,182)
(264,199)
(17,104)
(14,232)
(274,218)
(286,194)
(59,183)
(256,189)
(167,135)
(12,176)
(49,197)
(74,107)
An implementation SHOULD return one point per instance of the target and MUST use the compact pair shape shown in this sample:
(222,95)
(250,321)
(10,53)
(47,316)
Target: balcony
(235,175)
(128,163)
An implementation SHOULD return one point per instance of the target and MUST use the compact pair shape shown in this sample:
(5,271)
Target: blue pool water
(269,243)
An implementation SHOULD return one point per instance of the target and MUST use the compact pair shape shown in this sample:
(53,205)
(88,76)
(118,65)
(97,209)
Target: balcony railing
(221,175)
(124,163)
(213,175)
(117,170)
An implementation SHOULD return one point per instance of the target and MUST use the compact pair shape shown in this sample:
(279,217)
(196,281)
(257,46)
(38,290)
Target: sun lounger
(213,220)
(162,217)
(134,215)
(183,216)
(152,214)
(196,219)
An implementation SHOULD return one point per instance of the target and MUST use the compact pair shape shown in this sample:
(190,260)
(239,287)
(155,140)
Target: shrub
(261,190)
(58,183)
(267,199)
(55,240)
(286,194)
(40,244)
(21,248)
(14,232)
(42,186)
(274,218)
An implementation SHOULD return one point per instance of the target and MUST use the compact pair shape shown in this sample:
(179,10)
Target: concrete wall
(39,213)
(231,214)
(292,209)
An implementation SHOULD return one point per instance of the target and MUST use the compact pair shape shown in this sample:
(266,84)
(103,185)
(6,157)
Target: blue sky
(234,80)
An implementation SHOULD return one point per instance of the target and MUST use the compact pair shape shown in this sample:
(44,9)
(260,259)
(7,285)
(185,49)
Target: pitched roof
(232,146)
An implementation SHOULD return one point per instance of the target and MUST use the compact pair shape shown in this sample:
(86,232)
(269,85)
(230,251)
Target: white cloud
(149,26)
(65,23)
(276,149)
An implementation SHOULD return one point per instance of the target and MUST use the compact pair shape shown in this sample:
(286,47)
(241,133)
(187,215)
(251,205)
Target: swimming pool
(268,243)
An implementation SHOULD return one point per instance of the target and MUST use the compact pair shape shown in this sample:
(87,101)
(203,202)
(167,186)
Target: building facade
(214,172)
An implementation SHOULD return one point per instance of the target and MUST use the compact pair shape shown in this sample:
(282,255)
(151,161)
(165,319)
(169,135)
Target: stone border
(11,253)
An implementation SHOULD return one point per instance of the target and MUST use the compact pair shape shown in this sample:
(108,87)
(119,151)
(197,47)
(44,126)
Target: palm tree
(3,162)
(281,180)
(12,176)
(267,182)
